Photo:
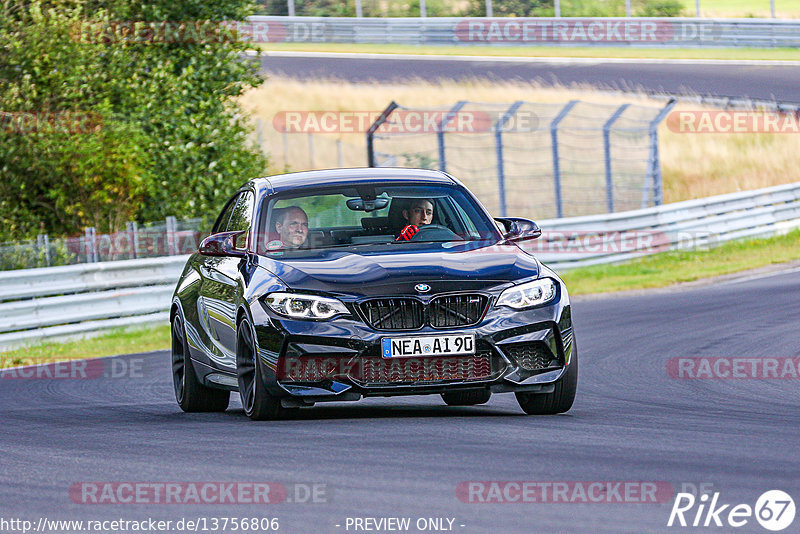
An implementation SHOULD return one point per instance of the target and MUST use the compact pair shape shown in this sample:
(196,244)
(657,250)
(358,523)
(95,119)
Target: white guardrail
(75,300)
(522,31)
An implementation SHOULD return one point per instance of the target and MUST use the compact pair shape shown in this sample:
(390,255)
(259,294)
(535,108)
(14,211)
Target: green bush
(167,137)
(29,256)
(513,8)
(661,8)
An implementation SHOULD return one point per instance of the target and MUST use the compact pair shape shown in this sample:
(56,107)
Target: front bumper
(306,362)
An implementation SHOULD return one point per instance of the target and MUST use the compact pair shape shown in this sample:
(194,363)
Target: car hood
(443,266)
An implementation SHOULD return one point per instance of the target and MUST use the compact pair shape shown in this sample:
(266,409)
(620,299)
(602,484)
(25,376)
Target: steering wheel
(435,232)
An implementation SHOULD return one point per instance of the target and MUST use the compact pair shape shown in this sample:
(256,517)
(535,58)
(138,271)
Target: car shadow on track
(322,413)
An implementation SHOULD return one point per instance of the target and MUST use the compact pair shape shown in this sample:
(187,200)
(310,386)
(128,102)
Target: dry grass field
(693,165)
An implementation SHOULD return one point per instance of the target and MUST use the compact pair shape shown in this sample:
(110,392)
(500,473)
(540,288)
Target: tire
(466,398)
(258,404)
(560,399)
(191,394)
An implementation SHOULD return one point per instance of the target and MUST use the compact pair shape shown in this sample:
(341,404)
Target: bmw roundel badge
(422,288)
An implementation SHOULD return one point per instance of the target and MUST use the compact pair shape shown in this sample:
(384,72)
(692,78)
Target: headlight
(528,295)
(304,306)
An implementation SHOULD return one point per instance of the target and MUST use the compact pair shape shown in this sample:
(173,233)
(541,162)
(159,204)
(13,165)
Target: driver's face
(420,213)
(294,228)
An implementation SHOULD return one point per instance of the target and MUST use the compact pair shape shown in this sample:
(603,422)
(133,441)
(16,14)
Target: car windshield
(377,216)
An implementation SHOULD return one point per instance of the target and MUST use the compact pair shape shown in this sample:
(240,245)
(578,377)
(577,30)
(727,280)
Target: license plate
(411,347)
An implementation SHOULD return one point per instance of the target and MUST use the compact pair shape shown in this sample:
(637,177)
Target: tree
(513,8)
(164,134)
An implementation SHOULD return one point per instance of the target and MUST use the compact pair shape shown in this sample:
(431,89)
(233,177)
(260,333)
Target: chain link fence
(539,159)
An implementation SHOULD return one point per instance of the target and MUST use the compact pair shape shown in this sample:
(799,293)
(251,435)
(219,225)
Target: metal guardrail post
(498,143)
(259,135)
(607,150)
(90,243)
(556,164)
(440,132)
(172,229)
(654,165)
(311,163)
(372,129)
(43,242)
(132,230)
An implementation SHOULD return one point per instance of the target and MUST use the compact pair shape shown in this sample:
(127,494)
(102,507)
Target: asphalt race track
(769,82)
(406,457)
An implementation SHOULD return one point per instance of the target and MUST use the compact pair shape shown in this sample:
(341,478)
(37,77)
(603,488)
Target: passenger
(292,227)
(419,213)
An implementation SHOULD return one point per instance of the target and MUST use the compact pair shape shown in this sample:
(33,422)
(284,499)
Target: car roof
(355,176)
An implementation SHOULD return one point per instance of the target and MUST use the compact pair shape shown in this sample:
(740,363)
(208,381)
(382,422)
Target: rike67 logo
(774,510)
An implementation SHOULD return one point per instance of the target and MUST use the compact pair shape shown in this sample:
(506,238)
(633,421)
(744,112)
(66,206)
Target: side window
(242,213)
(465,221)
(222,221)
(241,217)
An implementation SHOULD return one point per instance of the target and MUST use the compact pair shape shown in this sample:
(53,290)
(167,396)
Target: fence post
(172,228)
(372,129)
(653,163)
(498,146)
(359,12)
(423,9)
(285,148)
(43,241)
(311,150)
(90,243)
(440,132)
(607,150)
(489,11)
(259,135)
(133,236)
(556,163)
(290,8)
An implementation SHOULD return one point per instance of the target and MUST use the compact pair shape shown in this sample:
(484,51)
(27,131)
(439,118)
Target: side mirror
(518,229)
(221,244)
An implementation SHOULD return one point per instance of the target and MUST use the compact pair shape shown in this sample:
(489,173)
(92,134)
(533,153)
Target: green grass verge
(121,341)
(667,268)
(546,51)
(742,8)
(659,270)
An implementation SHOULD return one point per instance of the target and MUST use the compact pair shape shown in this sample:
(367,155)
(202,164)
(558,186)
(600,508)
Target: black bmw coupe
(340,284)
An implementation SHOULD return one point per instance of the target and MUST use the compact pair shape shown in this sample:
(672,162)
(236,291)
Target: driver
(292,226)
(419,213)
